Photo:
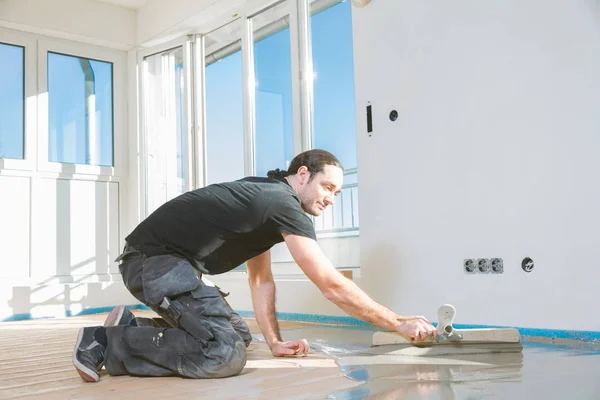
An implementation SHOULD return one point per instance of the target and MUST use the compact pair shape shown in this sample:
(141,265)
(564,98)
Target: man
(211,231)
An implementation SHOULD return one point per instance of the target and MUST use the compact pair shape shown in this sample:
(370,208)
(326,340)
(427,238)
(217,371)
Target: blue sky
(11,101)
(334,119)
(333,63)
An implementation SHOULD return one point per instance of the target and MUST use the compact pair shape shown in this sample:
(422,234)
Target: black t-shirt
(223,225)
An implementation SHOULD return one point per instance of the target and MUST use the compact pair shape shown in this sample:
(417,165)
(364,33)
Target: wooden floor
(35,363)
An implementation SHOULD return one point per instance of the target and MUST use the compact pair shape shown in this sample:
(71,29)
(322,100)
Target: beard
(312,208)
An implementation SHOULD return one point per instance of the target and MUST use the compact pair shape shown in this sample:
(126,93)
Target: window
(273,79)
(12,101)
(80,110)
(333,64)
(334,124)
(224,105)
(165,128)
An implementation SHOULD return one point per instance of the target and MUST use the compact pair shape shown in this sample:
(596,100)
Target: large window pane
(333,63)
(224,105)
(334,109)
(274,123)
(165,131)
(80,110)
(12,101)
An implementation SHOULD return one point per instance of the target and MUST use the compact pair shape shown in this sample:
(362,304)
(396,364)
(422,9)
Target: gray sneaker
(120,315)
(88,357)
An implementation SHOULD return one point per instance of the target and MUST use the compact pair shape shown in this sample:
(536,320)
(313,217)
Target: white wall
(494,154)
(80,20)
(58,241)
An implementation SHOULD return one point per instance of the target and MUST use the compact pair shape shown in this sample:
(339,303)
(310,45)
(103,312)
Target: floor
(542,371)
(35,363)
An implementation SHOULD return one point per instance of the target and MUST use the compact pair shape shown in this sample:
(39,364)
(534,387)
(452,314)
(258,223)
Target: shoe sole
(86,374)
(115,316)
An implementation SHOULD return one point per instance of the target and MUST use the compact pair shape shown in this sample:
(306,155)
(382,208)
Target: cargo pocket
(209,302)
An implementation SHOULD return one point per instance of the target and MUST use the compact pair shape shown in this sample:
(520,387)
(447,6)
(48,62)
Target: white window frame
(198,109)
(249,95)
(199,77)
(28,42)
(187,44)
(302,85)
(119,71)
(300,60)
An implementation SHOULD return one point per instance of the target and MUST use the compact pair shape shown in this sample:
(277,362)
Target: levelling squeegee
(450,341)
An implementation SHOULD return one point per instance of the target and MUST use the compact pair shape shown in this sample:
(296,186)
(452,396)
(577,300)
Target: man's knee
(241,328)
(216,361)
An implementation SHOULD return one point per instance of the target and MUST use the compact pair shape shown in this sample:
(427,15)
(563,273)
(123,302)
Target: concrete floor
(35,363)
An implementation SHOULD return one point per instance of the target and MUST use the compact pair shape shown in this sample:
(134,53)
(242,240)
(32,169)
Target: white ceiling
(131,4)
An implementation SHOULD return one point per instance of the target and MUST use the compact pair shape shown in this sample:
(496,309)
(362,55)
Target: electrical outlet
(469,266)
(483,265)
(497,266)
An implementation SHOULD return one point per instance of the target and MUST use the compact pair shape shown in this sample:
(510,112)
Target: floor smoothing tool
(450,341)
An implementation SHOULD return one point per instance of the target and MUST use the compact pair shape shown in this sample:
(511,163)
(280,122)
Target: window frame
(191,130)
(240,22)
(291,10)
(119,91)
(28,43)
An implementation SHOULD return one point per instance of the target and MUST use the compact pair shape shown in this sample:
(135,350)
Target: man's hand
(416,329)
(293,348)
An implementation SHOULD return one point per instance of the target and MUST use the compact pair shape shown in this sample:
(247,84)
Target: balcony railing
(342,218)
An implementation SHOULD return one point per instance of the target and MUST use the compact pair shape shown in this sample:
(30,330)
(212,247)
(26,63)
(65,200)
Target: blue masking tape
(583,336)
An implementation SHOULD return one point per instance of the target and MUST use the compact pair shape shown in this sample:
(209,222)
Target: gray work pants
(198,334)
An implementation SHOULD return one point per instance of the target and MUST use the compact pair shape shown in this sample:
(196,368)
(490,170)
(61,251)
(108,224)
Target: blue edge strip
(582,336)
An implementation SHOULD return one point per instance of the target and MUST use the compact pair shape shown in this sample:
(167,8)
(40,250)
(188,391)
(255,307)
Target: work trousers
(198,334)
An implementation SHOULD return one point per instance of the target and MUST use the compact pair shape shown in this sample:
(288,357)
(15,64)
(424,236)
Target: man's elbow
(333,291)
(261,283)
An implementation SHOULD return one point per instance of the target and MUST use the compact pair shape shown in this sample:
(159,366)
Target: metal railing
(343,216)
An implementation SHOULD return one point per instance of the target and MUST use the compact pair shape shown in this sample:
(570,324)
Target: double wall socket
(483,266)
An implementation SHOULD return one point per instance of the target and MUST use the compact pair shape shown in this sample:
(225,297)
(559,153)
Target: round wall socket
(497,265)
(469,266)
(483,265)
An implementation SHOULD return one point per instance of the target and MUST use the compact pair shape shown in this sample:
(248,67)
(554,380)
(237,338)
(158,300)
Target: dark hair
(314,160)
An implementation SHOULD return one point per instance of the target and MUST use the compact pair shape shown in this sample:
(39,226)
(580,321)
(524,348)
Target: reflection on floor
(35,363)
(545,371)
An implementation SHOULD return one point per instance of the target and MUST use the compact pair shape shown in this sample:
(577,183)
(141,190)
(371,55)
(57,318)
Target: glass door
(165,128)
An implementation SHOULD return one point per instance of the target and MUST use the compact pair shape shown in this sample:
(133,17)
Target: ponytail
(277,174)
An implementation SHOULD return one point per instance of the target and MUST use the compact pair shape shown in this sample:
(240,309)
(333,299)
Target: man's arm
(262,289)
(347,295)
